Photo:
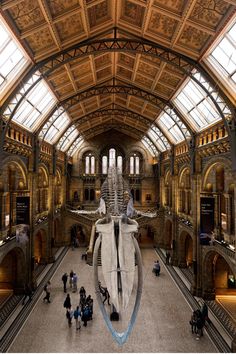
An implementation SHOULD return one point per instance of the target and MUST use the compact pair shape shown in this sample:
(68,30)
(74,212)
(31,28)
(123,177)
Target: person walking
(204,312)
(156,268)
(77,317)
(64,279)
(167,257)
(67,302)
(47,289)
(69,316)
(71,278)
(74,282)
(105,293)
(28,293)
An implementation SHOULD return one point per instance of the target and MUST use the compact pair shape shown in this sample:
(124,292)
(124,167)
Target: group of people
(198,320)
(83,312)
(73,279)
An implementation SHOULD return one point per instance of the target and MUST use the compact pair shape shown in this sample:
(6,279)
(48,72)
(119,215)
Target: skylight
(172,126)
(56,124)
(67,138)
(159,139)
(34,106)
(150,146)
(196,105)
(75,146)
(12,59)
(223,56)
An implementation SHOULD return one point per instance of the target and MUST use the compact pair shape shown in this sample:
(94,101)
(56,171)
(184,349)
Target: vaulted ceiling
(115,53)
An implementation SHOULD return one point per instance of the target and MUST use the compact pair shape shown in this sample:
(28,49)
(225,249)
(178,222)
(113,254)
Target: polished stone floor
(162,324)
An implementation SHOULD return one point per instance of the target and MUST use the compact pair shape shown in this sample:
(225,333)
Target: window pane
(119,163)
(137,165)
(131,165)
(87,160)
(92,164)
(104,165)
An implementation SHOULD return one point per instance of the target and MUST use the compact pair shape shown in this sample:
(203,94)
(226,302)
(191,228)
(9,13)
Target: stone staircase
(223,317)
(8,307)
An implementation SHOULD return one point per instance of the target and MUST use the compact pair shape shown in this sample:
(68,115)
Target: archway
(146,236)
(78,236)
(185,249)
(40,247)
(12,273)
(218,278)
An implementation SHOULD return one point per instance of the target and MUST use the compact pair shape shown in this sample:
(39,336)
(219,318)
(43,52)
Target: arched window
(92,160)
(104,165)
(89,164)
(112,157)
(134,165)
(119,163)
(87,160)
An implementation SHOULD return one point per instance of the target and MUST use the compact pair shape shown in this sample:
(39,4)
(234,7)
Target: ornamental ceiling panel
(126,60)
(99,13)
(104,73)
(176,6)
(41,41)
(209,13)
(124,73)
(143,80)
(59,7)
(132,13)
(147,69)
(163,91)
(26,15)
(193,38)
(162,25)
(70,27)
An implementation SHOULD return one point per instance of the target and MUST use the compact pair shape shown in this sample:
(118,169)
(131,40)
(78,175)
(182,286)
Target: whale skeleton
(119,249)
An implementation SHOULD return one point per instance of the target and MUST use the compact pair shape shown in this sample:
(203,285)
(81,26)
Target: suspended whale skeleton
(118,248)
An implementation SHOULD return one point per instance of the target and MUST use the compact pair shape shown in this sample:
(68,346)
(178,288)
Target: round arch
(185,246)
(40,246)
(217,275)
(13,275)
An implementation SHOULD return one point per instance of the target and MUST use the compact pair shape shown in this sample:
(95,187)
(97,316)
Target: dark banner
(22,210)
(22,219)
(206,219)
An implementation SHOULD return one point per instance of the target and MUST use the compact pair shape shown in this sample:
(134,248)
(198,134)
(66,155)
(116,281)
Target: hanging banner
(22,218)
(206,219)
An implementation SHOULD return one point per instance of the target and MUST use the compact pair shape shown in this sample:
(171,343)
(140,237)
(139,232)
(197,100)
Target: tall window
(104,165)
(112,160)
(89,164)
(112,157)
(119,163)
(134,165)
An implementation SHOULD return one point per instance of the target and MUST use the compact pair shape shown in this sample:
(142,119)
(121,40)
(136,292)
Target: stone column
(196,286)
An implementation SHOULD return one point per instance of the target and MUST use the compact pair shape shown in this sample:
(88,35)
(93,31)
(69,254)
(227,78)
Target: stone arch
(184,191)
(185,246)
(80,234)
(13,275)
(215,271)
(40,246)
(146,235)
(210,167)
(18,164)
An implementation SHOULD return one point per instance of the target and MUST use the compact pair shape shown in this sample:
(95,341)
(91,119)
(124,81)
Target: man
(28,293)
(47,292)
(104,293)
(64,279)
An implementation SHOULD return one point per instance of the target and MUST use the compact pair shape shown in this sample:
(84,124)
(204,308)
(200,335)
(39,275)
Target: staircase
(223,317)
(8,307)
